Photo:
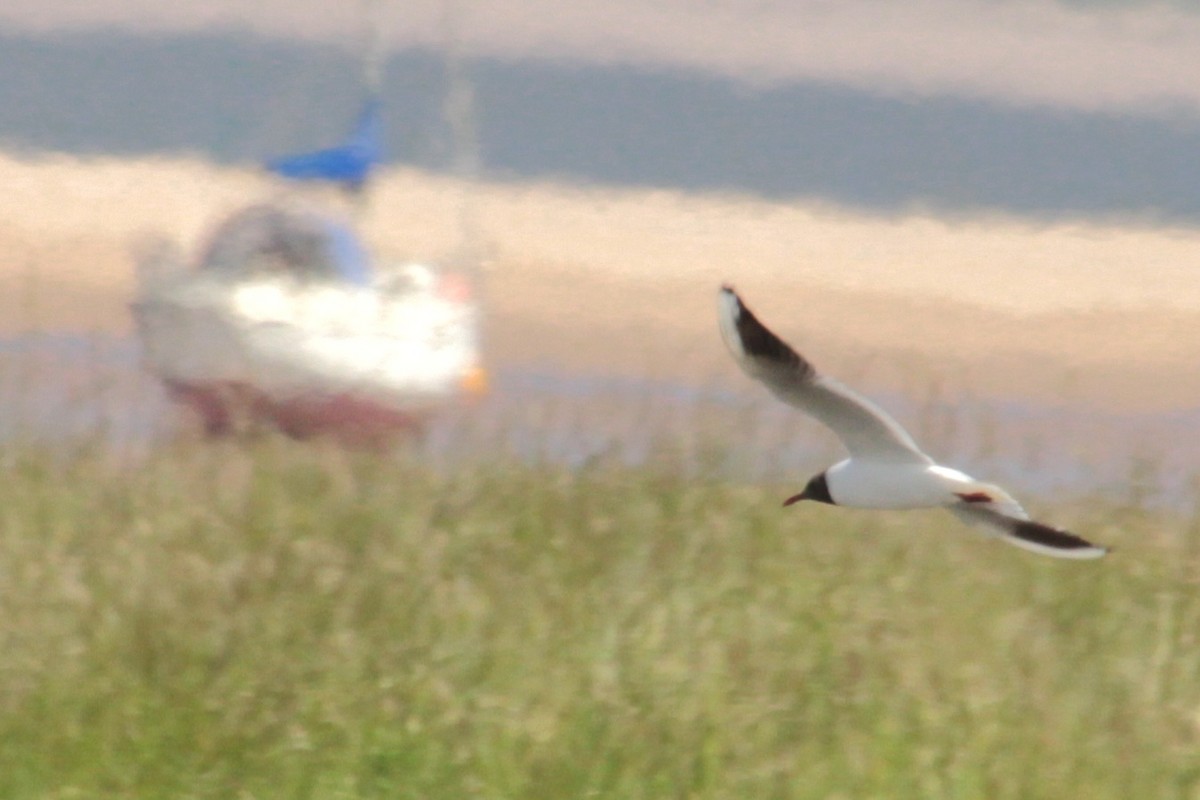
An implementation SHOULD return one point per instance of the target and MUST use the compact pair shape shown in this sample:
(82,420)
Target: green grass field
(299,622)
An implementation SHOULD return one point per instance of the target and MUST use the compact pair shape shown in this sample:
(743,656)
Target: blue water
(64,390)
(608,124)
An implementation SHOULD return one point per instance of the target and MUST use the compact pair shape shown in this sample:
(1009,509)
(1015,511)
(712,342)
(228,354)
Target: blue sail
(349,163)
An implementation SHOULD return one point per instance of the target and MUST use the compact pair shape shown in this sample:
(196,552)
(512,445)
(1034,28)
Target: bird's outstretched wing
(1026,533)
(866,430)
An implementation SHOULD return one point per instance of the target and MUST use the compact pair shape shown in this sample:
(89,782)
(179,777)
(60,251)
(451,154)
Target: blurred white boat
(283,320)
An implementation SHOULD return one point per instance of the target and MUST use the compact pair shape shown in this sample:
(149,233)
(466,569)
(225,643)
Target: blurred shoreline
(608,281)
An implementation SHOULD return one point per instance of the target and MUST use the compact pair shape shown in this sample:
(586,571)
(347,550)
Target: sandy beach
(608,281)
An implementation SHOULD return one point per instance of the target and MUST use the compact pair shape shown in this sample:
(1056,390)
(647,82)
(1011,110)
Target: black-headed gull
(885,469)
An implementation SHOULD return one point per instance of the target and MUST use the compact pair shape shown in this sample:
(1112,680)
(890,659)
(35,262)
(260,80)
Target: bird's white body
(885,484)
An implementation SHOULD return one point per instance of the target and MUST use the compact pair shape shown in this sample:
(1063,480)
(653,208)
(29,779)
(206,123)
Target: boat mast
(373,48)
(458,111)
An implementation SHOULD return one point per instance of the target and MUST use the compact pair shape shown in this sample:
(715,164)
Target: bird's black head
(816,489)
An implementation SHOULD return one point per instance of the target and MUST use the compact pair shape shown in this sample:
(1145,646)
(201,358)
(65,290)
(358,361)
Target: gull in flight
(885,469)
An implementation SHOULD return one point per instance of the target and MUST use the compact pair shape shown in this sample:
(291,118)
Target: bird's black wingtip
(1057,540)
(752,337)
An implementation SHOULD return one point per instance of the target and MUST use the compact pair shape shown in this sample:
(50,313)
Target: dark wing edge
(751,339)
(1030,535)
(865,428)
